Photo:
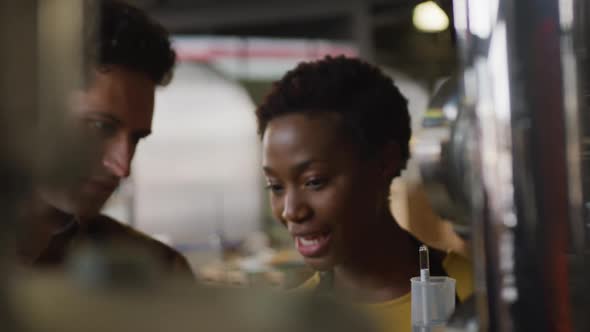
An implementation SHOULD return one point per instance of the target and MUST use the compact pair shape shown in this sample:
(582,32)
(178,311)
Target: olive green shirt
(102,230)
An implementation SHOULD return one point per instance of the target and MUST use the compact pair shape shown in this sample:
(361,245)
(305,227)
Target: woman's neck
(382,270)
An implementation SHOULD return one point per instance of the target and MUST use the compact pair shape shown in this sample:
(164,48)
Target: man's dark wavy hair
(372,108)
(125,36)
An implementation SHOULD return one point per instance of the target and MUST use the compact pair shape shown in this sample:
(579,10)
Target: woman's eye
(274,188)
(316,183)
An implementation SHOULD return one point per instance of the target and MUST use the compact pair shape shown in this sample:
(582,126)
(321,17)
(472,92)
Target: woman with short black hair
(335,133)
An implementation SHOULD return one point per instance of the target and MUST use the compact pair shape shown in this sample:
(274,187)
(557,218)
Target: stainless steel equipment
(511,167)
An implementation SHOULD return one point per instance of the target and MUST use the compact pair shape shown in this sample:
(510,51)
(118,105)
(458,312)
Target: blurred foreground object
(40,60)
(176,308)
(507,165)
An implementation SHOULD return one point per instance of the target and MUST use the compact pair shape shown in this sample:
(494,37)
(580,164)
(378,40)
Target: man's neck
(39,223)
(383,269)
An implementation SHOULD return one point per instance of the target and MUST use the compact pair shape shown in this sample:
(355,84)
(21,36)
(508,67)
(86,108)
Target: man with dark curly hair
(335,133)
(130,55)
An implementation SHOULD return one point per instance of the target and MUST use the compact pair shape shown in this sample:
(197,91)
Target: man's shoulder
(105,229)
(108,228)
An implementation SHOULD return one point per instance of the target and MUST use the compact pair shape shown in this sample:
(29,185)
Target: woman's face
(320,189)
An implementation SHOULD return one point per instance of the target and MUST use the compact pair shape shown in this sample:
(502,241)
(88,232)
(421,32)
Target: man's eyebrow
(141,133)
(104,115)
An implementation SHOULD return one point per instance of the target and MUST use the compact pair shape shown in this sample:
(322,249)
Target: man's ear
(390,160)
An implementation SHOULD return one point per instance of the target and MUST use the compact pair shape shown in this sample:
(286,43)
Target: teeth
(309,242)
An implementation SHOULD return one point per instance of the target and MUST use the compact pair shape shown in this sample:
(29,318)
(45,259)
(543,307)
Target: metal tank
(511,164)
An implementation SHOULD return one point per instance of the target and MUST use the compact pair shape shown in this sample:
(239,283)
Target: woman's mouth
(314,244)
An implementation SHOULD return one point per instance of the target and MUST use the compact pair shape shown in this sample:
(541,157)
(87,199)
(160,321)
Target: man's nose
(295,208)
(118,156)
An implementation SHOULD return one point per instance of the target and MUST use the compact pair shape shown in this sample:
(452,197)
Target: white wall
(198,173)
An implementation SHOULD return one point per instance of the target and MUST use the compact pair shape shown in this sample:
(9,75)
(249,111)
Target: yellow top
(396,315)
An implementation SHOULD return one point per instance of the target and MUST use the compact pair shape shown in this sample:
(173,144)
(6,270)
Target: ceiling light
(429,17)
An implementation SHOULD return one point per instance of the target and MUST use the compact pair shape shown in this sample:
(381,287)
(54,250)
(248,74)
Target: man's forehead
(117,87)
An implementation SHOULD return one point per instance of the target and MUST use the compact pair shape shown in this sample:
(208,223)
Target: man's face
(113,113)
(319,187)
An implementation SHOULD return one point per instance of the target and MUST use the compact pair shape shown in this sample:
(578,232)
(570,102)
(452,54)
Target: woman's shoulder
(309,284)
(461,269)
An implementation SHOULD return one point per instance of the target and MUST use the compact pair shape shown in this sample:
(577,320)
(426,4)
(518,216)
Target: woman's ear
(390,160)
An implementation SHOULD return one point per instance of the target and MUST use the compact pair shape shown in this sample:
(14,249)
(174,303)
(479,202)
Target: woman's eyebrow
(267,170)
(297,168)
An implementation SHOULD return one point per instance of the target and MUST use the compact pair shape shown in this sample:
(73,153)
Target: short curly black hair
(124,35)
(372,107)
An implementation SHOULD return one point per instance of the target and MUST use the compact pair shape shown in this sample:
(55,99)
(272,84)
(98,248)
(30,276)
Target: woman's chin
(323,263)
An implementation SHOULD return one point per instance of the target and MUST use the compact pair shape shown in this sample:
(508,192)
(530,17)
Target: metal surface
(581,28)
(444,151)
(571,53)
(487,100)
(524,65)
